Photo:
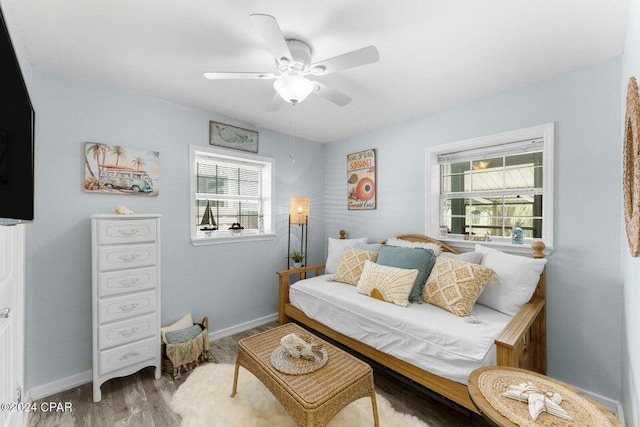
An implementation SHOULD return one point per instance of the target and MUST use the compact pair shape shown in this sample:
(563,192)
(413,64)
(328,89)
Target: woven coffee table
(311,399)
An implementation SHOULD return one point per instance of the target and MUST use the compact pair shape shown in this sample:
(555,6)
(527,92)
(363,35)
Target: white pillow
(336,246)
(472,257)
(518,277)
(185,322)
(371,247)
(436,248)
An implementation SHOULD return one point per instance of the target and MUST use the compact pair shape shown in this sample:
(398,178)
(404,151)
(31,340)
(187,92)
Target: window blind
(227,180)
(508,149)
(232,189)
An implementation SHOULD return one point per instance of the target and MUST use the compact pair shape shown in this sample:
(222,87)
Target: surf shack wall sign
(361,180)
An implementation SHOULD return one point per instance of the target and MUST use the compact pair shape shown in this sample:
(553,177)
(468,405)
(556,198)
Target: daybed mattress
(422,334)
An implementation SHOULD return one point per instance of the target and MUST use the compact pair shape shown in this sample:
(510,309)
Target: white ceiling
(433,53)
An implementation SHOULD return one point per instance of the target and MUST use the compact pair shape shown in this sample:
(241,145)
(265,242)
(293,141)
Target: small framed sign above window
(224,135)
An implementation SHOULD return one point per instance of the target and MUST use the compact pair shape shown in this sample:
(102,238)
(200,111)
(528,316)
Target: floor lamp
(299,215)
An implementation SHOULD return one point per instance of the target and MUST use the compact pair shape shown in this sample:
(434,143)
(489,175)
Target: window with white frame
(231,196)
(488,186)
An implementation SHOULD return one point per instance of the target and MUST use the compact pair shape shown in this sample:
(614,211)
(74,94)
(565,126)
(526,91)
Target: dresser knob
(129,282)
(129,232)
(128,307)
(129,257)
(130,355)
(129,332)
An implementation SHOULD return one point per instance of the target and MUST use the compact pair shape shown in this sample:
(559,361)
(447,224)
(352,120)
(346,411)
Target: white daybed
(422,342)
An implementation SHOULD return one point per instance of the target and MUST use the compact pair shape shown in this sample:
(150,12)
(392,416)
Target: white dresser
(125,256)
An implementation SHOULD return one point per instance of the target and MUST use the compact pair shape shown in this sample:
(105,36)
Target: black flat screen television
(17,120)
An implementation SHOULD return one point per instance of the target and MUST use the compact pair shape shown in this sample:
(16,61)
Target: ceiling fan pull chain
(292,154)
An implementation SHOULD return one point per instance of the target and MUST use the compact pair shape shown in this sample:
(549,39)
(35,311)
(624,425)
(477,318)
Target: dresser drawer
(129,256)
(116,308)
(119,282)
(129,354)
(133,231)
(127,331)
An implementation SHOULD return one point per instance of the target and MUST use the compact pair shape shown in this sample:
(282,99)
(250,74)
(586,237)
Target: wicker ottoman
(311,399)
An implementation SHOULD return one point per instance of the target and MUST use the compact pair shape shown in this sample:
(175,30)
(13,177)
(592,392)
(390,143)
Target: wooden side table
(495,417)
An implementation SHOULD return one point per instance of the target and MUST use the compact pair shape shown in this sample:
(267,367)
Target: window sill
(469,245)
(203,241)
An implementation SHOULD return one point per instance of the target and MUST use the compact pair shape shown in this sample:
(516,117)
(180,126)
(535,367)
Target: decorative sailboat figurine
(208,224)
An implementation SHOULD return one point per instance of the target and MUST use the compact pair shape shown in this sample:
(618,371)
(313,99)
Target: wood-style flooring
(140,400)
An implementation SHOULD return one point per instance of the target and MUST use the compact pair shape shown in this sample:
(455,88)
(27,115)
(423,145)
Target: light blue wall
(631,266)
(583,281)
(232,283)
(237,283)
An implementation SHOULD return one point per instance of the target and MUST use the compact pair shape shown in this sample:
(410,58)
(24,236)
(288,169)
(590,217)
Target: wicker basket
(188,366)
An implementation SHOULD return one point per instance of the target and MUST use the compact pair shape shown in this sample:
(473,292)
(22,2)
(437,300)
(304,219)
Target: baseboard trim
(620,414)
(612,405)
(44,390)
(62,384)
(232,330)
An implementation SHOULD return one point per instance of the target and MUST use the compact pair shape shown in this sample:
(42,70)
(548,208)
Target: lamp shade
(292,88)
(299,210)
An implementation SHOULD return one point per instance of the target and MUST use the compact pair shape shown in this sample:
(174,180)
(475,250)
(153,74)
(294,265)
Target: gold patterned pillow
(456,285)
(385,283)
(351,265)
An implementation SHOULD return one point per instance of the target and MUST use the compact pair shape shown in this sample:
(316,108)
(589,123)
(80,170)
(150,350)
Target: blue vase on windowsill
(517,235)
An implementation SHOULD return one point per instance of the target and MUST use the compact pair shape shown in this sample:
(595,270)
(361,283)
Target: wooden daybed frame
(522,343)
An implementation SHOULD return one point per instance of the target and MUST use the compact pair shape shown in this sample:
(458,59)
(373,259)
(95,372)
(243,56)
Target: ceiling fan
(293,59)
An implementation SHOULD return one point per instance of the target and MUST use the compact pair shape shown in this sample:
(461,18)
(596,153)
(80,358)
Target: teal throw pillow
(410,258)
(183,335)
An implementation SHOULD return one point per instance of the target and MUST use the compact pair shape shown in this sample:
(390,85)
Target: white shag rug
(204,400)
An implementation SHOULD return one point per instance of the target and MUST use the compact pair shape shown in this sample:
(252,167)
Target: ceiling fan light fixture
(292,88)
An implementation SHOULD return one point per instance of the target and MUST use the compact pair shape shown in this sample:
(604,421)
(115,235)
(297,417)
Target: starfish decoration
(539,400)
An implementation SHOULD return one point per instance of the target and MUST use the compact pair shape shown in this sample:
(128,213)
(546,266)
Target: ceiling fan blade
(269,29)
(274,104)
(214,75)
(356,58)
(330,94)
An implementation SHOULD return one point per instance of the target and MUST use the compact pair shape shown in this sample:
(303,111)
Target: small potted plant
(297,258)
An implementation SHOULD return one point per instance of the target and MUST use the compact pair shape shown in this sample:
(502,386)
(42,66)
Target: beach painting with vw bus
(116,169)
